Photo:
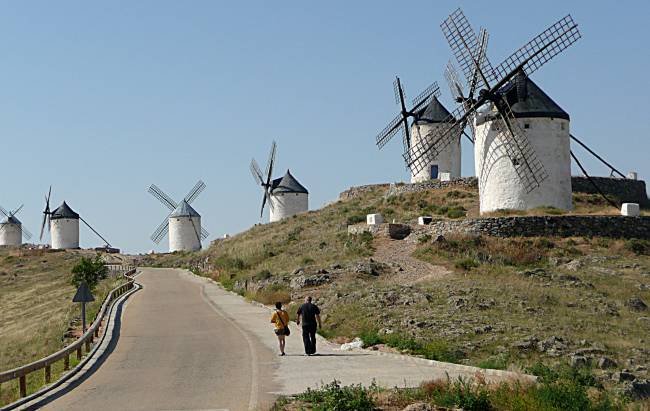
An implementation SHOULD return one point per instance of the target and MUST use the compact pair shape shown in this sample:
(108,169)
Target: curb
(42,397)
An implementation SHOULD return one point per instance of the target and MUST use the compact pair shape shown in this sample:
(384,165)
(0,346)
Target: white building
(64,228)
(288,197)
(11,232)
(184,229)
(428,122)
(546,127)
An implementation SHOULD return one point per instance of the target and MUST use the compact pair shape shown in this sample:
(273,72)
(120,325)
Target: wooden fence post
(66,362)
(23,386)
(79,353)
(48,374)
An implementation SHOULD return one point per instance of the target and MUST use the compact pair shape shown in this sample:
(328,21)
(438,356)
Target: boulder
(638,390)
(606,362)
(636,304)
(624,375)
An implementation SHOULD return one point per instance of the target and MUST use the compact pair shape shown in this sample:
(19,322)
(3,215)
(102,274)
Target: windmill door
(434,171)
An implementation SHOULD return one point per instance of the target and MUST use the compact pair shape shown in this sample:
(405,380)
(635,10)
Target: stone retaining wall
(629,191)
(523,226)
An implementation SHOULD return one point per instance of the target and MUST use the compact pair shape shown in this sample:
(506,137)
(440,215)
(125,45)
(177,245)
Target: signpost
(83,296)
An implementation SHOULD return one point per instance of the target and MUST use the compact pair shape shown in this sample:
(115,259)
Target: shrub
(263,275)
(307,261)
(294,234)
(424,239)
(225,262)
(334,397)
(638,246)
(456,212)
(89,270)
(272,294)
(466,263)
(355,219)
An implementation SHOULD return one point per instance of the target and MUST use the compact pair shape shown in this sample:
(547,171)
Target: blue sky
(101,100)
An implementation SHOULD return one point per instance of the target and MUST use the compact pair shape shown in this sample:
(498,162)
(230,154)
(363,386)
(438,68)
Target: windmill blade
(479,58)
(435,141)
(389,131)
(161,231)
(266,197)
(162,197)
(517,147)
(256,172)
(4,212)
(26,234)
(95,231)
(541,49)
(46,214)
(204,234)
(271,162)
(463,42)
(16,211)
(425,97)
(455,86)
(194,192)
(398,90)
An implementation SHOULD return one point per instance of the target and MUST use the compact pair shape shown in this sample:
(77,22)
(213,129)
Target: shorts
(280,331)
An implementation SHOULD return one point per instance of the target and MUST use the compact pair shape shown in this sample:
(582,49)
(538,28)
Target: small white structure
(11,232)
(546,127)
(373,219)
(425,220)
(64,228)
(427,122)
(184,228)
(630,210)
(632,175)
(288,197)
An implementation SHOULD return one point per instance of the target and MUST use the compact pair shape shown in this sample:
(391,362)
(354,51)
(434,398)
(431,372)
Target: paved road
(175,352)
(187,344)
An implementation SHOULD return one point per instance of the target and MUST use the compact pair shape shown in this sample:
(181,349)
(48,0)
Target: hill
(493,302)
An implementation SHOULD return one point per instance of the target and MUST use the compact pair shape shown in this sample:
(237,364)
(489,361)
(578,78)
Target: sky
(102,99)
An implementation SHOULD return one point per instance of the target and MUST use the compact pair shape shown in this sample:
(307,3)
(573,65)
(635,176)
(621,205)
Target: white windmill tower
(183,222)
(522,154)
(63,224)
(286,196)
(12,230)
(429,118)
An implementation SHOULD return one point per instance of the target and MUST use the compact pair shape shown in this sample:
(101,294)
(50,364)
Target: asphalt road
(176,352)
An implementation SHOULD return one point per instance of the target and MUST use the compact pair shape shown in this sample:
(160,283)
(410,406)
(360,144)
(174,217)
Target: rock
(578,361)
(483,329)
(302,281)
(336,266)
(573,265)
(552,345)
(354,344)
(457,302)
(624,375)
(643,287)
(636,304)
(526,344)
(638,390)
(399,231)
(367,267)
(322,271)
(440,239)
(419,406)
(606,362)
(297,271)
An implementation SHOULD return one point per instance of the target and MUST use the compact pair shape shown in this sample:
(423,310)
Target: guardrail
(64,354)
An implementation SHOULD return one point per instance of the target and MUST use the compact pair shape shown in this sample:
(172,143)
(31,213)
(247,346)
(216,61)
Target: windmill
(427,113)
(63,225)
(509,167)
(12,230)
(182,223)
(285,195)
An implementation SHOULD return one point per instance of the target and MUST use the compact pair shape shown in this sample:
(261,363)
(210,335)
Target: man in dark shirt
(309,316)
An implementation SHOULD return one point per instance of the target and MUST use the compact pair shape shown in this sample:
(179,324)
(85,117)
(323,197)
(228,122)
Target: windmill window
(526,125)
(561,126)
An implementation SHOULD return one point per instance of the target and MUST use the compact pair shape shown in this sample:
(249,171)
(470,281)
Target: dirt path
(413,271)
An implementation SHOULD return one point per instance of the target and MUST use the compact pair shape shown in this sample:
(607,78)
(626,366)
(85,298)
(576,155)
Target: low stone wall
(625,190)
(628,191)
(542,226)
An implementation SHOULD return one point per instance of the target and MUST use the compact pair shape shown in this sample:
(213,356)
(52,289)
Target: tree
(90,270)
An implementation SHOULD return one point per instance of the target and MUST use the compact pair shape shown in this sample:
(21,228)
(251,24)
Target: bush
(424,239)
(225,262)
(89,270)
(263,275)
(466,263)
(334,397)
(272,294)
(638,246)
(355,219)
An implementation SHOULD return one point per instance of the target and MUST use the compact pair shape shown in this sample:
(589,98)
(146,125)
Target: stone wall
(629,191)
(625,190)
(542,226)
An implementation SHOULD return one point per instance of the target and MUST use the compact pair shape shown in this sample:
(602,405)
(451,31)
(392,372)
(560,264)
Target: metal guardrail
(77,346)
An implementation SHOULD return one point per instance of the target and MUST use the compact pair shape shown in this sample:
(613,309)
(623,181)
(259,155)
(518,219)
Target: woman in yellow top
(281,320)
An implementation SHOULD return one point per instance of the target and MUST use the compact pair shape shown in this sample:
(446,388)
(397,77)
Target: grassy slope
(426,318)
(35,303)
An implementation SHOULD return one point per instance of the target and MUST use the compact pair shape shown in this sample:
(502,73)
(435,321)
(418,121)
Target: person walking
(280,319)
(309,316)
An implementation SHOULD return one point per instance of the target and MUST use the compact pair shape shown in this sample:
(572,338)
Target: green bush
(423,239)
(456,212)
(334,397)
(263,275)
(89,270)
(638,246)
(355,219)
(307,261)
(226,262)
(466,263)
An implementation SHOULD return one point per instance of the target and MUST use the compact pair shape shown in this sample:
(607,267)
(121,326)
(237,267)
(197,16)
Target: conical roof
(10,220)
(527,99)
(287,184)
(434,112)
(64,211)
(184,209)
